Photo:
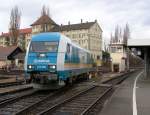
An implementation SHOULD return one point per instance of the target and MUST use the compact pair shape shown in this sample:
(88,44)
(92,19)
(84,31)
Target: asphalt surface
(121,102)
(143,96)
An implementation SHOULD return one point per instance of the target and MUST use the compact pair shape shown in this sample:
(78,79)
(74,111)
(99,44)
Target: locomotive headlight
(30,66)
(53,66)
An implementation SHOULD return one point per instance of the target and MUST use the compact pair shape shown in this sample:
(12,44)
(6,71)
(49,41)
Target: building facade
(23,39)
(4,40)
(88,35)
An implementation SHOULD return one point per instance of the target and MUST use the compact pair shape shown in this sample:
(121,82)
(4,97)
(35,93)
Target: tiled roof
(6,51)
(22,31)
(78,26)
(45,19)
(26,30)
(5,34)
(74,26)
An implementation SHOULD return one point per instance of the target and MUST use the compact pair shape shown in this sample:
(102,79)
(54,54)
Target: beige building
(23,39)
(4,39)
(88,35)
(118,57)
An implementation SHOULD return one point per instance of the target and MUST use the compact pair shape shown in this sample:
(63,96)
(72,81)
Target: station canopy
(139,42)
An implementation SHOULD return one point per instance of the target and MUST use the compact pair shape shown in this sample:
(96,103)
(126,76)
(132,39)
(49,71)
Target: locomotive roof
(47,36)
(54,36)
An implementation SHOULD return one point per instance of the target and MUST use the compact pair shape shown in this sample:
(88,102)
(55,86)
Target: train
(52,60)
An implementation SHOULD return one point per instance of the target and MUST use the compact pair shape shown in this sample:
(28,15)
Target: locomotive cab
(42,60)
(53,60)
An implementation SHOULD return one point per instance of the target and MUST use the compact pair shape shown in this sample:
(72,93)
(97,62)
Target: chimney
(95,20)
(86,21)
(81,21)
(61,27)
(68,22)
(2,33)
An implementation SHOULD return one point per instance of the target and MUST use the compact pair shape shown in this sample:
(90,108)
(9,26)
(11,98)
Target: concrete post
(127,58)
(146,62)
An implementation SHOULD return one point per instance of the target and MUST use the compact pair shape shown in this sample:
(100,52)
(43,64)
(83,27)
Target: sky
(108,13)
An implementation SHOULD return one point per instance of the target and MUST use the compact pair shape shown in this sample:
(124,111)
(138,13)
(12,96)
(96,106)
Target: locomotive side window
(68,48)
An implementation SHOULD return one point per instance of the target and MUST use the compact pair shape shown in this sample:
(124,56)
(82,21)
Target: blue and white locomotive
(52,60)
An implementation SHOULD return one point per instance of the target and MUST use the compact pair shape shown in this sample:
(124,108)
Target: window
(113,49)
(68,48)
(44,46)
(119,49)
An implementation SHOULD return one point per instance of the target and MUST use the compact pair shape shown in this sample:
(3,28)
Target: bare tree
(116,33)
(111,38)
(126,34)
(14,25)
(45,11)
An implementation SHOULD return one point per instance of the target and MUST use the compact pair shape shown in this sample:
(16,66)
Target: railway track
(11,106)
(5,84)
(49,101)
(14,94)
(88,102)
(78,103)
(81,99)
(60,99)
(118,79)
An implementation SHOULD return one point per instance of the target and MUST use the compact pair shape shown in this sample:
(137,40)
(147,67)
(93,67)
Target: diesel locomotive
(53,60)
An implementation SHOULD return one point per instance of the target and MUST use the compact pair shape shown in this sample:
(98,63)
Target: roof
(6,51)
(5,34)
(78,26)
(44,19)
(20,56)
(117,44)
(54,36)
(26,30)
(22,31)
(139,42)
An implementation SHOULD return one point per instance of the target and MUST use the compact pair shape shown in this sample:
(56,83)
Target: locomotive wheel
(69,81)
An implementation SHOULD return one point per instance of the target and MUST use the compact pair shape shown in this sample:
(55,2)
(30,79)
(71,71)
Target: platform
(121,102)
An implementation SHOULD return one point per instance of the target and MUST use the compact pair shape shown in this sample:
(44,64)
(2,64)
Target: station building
(7,56)
(118,56)
(122,58)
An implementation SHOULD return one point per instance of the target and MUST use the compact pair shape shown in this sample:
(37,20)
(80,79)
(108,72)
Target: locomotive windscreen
(37,46)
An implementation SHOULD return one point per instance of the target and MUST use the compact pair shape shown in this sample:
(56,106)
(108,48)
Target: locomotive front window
(44,47)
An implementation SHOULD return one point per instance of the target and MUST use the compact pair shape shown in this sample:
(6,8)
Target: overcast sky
(108,13)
